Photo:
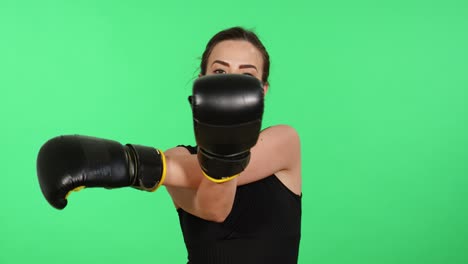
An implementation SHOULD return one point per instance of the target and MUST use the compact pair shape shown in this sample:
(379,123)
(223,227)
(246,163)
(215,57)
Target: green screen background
(376,89)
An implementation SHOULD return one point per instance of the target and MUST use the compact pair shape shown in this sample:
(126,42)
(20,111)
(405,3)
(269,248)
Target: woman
(256,217)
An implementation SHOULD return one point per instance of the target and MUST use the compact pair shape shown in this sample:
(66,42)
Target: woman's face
(235,57)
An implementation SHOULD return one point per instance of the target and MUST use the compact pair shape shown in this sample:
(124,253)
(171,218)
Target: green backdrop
(376,89)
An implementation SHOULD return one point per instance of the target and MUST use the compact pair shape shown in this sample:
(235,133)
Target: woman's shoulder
(284,150)
(281,127)
(281,131)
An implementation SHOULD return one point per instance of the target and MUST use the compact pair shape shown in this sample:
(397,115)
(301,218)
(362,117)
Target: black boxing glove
(72,162)
(227,115)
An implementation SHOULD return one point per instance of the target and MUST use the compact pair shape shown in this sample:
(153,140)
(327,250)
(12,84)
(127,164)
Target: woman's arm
(193,192)
(276,152)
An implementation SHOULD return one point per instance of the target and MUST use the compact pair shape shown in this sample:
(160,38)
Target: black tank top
(264,226)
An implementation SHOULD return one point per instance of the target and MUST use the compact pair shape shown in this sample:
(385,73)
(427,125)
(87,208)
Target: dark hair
(237,33)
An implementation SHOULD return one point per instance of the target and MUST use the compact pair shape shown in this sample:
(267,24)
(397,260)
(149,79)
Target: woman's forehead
(236,51)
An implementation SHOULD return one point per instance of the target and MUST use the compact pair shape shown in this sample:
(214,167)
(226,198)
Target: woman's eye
(249,74)
(219,71)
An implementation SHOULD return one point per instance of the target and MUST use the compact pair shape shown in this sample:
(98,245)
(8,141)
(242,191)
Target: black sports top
(264,226)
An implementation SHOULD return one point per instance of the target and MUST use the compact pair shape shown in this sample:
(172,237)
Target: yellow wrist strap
(224,179)
(163,176)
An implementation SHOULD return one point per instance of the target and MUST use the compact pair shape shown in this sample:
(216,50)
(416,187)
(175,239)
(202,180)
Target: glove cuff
(147,167)
(221,169)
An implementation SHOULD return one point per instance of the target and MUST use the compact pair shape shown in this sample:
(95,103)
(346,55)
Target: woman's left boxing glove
(72,162)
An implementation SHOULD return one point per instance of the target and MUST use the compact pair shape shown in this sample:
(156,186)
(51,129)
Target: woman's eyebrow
(244,66)
(220,62)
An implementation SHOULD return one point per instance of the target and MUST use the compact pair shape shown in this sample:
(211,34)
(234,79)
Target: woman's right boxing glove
(72,162)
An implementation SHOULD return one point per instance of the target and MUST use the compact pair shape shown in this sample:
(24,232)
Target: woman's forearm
(183,171)
(215,200)
(209,200)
